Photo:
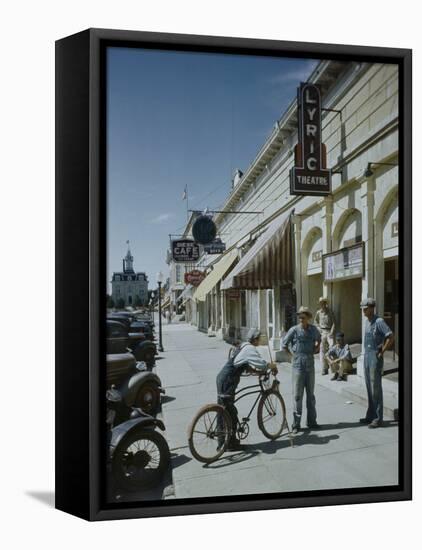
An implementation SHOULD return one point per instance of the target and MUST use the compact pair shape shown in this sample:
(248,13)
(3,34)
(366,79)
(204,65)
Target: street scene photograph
(252,317)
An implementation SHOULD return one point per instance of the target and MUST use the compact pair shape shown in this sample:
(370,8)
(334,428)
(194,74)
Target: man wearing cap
(324,321)
(339,357)
(229,377)
(378,338)
(302,341)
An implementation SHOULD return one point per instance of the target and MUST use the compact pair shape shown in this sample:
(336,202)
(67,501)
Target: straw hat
(304,310)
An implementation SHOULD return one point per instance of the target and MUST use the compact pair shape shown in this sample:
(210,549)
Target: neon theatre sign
(310,176)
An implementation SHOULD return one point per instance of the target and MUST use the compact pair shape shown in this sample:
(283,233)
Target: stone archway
(347,229)
(346,294)
(312,280)
(386,258)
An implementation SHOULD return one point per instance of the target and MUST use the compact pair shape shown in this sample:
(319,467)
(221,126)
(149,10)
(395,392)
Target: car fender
(118,433)
(142,347)
(129,389)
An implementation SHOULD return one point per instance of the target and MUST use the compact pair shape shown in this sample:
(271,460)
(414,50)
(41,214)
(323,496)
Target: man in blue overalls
(378,338)
(302,341)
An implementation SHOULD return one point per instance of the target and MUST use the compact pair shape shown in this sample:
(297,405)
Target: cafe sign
(347,263)
(194,277)
(310,176)
(185,250)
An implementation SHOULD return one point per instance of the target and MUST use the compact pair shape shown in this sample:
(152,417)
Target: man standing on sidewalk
(302,341)
(378,338)
(324,321)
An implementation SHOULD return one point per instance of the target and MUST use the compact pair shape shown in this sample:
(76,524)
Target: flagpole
(187,204)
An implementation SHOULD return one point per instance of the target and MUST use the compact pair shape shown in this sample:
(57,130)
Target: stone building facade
(128,285)
(360,131)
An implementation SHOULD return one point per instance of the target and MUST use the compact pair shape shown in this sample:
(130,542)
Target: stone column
(275,340)
(327,227)
(368,234)
(297,230)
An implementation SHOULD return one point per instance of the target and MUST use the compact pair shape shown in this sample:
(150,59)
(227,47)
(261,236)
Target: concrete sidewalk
(342,454)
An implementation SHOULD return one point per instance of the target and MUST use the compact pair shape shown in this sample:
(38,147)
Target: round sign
(204,229)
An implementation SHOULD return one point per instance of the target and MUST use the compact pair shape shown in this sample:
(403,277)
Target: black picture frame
(80,272)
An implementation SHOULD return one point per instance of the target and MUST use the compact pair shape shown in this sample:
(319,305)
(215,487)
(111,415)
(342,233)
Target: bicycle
(211,428)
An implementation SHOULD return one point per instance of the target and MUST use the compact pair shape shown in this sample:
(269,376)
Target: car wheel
(148,398)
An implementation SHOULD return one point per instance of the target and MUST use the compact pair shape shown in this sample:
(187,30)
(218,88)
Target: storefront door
(348,295)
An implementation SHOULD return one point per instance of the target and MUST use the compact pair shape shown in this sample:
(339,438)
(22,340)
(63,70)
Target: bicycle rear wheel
(209,433)
(271,414)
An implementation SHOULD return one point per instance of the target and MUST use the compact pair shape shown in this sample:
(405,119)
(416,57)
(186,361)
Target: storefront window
(178,274)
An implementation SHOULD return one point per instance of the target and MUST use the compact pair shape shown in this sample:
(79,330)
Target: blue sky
(176,119)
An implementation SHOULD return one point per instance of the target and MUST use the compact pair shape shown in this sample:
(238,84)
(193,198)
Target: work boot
(375,424)
(234,444)
(341,379)
(335,376)
(365,420)
(324,372)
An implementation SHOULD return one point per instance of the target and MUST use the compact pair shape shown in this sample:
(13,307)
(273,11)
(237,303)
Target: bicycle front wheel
(209,433)
(271,414)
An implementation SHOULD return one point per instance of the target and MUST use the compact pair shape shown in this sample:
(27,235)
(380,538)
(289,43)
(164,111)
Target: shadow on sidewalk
(167,399)
(344,425)
(178,460)
(304,438)
(233,459)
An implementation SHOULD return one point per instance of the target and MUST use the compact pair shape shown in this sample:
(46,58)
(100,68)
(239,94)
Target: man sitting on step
(339,358)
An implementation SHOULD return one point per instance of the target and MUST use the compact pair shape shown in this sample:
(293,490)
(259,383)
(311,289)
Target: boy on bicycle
(229,377)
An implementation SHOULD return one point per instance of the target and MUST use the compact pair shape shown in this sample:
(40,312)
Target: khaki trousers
(342,367)
(325,345)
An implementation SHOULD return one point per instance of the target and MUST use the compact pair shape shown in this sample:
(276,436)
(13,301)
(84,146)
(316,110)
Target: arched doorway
(312,283)
(347,293)
(387,261)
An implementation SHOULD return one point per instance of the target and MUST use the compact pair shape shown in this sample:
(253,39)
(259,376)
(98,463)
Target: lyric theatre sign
(310,176)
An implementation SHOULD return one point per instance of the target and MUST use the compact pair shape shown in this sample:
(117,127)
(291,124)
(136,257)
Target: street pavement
(341,454)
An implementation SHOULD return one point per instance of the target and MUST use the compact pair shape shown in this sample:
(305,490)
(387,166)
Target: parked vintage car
(133,324)
(138,386)
(120,340)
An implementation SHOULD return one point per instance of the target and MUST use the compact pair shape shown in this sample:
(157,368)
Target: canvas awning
(165,303)
(186,294)
(218,272)
(269,262)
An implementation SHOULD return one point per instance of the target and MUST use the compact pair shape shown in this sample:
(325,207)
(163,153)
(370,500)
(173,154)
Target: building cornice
(325,74)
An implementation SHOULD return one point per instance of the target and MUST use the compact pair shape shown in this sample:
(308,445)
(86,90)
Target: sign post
(310,176)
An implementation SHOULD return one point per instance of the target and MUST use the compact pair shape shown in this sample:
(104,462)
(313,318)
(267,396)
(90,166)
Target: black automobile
(133,324)
(120,340)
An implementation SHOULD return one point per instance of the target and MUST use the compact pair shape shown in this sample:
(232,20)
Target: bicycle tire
(260,414)
(214,408)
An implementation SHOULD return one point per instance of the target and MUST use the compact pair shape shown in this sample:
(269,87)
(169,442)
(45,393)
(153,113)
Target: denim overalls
(376,331)
(302,344)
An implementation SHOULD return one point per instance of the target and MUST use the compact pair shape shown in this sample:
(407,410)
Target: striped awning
(269,262)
